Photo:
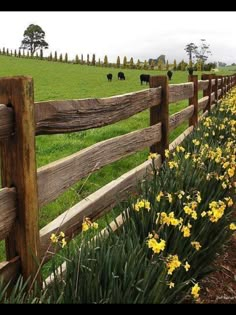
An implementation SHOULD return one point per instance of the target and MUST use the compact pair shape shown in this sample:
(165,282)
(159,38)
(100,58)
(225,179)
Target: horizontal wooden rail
(202,102)
(179,117)
(7,211)
(56,177)
(6,121)
(180,138)
(178,92)
(9,270)
(75,115)
(203,84)
(95,205)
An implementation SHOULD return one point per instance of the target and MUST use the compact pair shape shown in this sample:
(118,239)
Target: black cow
(109,77)
(144,78)
(121,76)
(169,74)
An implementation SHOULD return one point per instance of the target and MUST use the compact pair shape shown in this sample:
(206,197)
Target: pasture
(54,81)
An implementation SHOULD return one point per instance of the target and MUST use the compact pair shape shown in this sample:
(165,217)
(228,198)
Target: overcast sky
(140,35)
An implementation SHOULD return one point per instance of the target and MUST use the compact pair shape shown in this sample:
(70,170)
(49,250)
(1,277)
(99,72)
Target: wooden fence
(25,188)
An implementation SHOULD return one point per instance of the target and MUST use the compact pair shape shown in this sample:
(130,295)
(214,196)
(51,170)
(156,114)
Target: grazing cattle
(121,76)
(169,74)
(109,77)
(144,78)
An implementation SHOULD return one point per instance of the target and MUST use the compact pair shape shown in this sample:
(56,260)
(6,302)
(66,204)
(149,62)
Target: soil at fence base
(220,286)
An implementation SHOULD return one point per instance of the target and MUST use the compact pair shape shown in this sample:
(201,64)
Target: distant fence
(26,188)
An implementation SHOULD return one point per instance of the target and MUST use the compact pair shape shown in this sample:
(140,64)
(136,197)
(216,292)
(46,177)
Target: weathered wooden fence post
(216,89)
(19,171)
(193,121)
(160,113)
(208,91)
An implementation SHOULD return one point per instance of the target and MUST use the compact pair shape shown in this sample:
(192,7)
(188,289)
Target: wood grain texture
(202,103)
(179,117)
(178,92)
(6,121)
(219,92)
(76,115)
(9,270)
(19,171)
(95,205)
(56,177)
(7,211)
(203,84)
(213,82)
(193,120)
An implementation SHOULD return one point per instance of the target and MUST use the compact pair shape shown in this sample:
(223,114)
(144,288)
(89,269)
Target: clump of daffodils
(88,224)
(58,239)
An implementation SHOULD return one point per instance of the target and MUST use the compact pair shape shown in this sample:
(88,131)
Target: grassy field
(54,81)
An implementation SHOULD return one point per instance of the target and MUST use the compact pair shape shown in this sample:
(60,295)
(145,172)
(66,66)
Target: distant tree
(55,56)
(7,53)
(118,62)
(175,65)
(15,53)
(93,60)
(19,53)
(203,52)
(152,64)
(145,65)
(131,63)
(82,59)
(27,54)
(60,58)
(125,62)
(233,64)
(88,62)
(23,53)
(41,54)
(221,64)
(105,61)
(50,57)
(76,59)
(3,51)
(191,49)
(66,57)
(138,64)
(160,64)
(162,58)
(34,39)
(167,65)
(99,62)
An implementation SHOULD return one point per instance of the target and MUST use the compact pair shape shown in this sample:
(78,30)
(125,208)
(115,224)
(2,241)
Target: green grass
(57,81)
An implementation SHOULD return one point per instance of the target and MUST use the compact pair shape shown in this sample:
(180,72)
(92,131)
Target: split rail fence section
(25,189)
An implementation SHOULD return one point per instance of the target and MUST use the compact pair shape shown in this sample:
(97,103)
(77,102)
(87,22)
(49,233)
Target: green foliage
(55,56)
(88,62)
(60,58)
(34,39)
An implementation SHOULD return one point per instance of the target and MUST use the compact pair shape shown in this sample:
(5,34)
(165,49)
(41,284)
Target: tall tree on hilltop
(191,51)
(34,39)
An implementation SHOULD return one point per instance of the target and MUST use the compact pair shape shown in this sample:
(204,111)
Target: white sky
(140,35)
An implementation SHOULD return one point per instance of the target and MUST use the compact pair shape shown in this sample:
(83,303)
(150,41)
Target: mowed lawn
(59,81)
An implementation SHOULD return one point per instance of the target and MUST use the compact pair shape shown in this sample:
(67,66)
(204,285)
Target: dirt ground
(220,286)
